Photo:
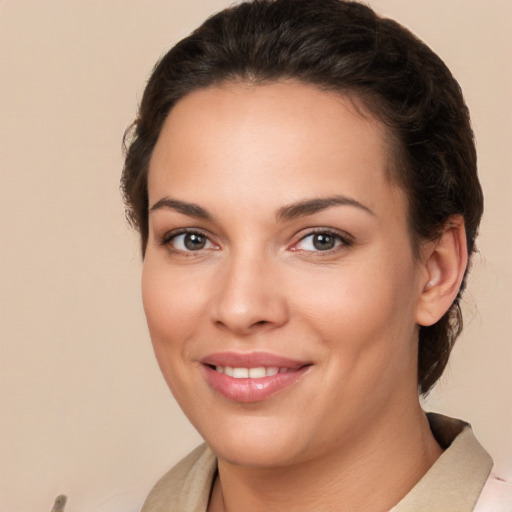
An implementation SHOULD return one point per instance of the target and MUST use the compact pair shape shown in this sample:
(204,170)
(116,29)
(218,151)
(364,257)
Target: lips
(251,377)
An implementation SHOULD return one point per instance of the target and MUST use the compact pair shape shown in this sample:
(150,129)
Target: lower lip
(252,390)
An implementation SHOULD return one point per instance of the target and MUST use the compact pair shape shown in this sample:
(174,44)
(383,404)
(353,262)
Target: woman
(303,177)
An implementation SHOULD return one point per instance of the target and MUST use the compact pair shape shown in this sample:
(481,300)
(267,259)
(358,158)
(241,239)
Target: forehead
(280,141)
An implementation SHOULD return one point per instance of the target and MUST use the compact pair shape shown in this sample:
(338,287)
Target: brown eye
(324,241)
(194,241)
(189,242)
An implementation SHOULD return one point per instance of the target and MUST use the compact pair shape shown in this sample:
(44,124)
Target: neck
(370,473)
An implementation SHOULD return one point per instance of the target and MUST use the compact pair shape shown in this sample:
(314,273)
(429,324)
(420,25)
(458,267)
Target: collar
(455,480)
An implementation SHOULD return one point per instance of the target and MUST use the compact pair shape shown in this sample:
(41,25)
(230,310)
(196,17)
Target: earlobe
(445,261)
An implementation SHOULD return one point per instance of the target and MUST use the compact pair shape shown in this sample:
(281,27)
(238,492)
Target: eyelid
(346,239)
(169,236)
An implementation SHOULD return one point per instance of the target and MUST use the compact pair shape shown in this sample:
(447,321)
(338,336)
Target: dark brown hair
(342,46)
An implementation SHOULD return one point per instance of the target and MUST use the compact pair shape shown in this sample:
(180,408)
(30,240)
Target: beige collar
(455,481)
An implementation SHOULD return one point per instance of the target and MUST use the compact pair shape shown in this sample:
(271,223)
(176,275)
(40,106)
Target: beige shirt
(453,484)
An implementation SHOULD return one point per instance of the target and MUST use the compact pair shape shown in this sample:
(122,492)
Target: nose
(250,296)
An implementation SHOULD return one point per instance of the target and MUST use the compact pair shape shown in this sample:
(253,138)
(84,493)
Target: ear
(444,261)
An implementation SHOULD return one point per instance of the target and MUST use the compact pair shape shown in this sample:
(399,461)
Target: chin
(255,442)
(264,454)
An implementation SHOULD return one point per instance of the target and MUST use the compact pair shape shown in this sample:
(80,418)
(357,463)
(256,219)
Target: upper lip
(252,360)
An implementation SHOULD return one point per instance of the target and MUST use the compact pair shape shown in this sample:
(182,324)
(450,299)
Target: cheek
(367,329)
(362,309)
(173,313)
(172,306)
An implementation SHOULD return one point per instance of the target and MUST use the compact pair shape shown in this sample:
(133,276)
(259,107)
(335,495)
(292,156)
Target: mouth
(250,373)
(252,377)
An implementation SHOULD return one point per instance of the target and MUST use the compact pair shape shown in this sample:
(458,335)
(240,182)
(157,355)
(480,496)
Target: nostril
(247,316)
(250,327)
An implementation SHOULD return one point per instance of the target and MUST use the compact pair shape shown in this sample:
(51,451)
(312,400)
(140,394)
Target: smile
(252,377)
(250,373)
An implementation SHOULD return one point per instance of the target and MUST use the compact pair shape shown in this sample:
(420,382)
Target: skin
(243,154)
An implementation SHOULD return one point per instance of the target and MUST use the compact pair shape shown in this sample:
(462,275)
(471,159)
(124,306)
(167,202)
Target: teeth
(240,373)
(250,373)
(257,373)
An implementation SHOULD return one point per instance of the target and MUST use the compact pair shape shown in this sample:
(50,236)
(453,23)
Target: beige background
(84,410)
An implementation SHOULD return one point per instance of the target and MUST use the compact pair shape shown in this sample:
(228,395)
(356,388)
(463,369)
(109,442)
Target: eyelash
(168,238)
(342,240)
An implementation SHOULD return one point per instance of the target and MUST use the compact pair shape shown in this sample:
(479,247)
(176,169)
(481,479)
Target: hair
(341,46)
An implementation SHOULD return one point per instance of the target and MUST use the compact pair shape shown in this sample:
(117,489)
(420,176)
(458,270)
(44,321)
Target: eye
(321,241)
(188,241)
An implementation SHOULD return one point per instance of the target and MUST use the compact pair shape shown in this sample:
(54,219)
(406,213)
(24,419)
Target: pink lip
(251,390)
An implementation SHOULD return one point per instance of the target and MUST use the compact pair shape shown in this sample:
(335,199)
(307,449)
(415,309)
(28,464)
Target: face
(279,282)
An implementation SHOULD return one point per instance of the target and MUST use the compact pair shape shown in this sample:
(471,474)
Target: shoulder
(186,487)
(496,495)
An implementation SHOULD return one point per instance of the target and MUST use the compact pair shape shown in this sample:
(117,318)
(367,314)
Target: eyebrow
(311,206)
(190,209)
(287,212)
